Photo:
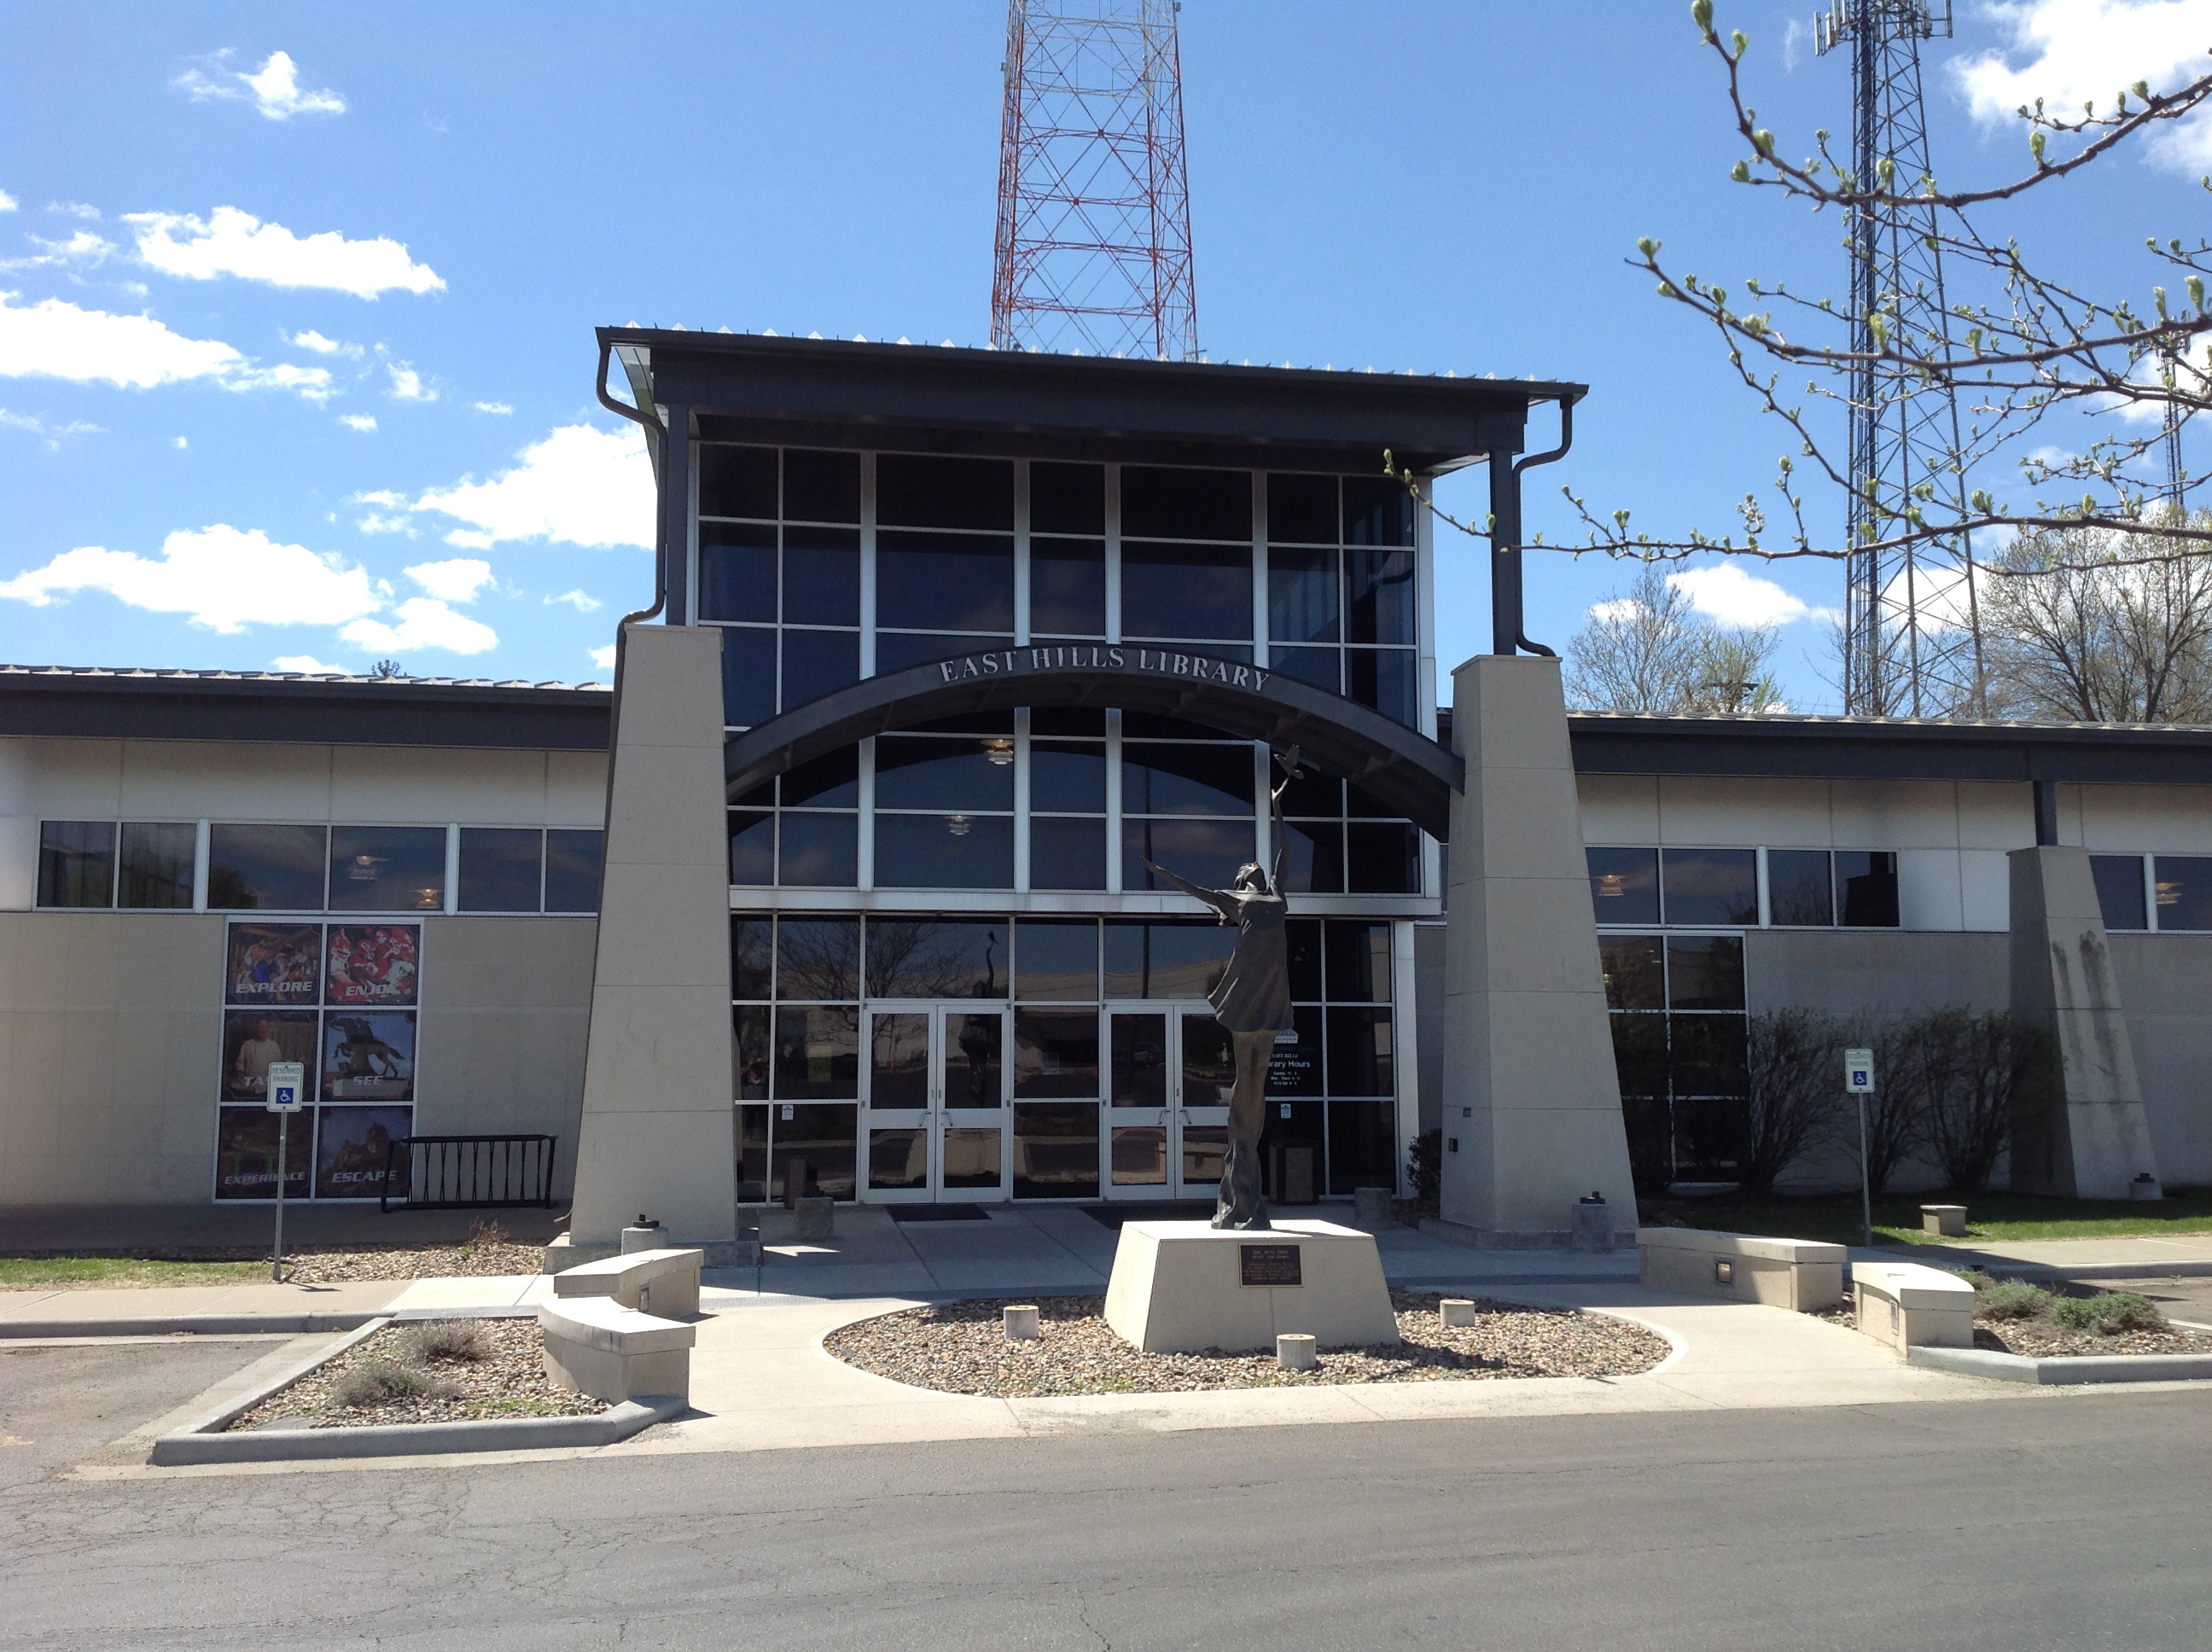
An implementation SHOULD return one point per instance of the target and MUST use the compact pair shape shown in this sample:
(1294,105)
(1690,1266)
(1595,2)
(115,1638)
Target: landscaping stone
(510,1381)
(960,1348)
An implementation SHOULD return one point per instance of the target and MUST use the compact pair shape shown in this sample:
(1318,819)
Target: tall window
(1679,1021)
(1340,588)
(780,563)
(944,557)
(1186,558)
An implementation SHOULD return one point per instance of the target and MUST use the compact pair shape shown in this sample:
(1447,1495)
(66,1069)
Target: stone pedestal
(1179,1287)
(1531,1121)
(658,1130)
(2084,1135)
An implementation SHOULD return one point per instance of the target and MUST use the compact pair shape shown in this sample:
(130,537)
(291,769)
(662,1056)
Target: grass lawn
(94,1272)
(1897,1218)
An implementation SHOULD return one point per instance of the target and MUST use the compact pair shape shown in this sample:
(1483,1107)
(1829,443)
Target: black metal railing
(462,1173)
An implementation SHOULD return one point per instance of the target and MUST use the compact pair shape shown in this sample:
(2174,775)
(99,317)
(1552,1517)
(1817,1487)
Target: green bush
(1424,1167)
(447,1339)
(375,1380)
(2108,1313)
(2013,1299)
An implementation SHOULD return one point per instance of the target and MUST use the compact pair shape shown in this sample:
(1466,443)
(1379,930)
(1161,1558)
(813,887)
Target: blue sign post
(1858,1081)
(288,1089)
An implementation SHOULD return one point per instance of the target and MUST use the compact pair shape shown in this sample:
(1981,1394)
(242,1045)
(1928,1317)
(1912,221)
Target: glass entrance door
(934,1118)
(1170,1070)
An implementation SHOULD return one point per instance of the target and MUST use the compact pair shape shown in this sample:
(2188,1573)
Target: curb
(2188,1269)
(2065,1369)
(415,1439)
(201,1440)
(206,1325)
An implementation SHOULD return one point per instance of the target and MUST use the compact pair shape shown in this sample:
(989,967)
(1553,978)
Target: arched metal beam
(1400,769)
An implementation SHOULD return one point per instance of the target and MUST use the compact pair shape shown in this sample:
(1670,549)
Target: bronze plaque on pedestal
(1270,1265)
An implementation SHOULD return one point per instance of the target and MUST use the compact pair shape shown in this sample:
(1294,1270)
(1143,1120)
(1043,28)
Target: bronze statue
(1253,1001)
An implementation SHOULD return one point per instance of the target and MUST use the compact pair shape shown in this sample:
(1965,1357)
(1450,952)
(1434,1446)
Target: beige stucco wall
(506,1005)
(110,1044)
(111,1031)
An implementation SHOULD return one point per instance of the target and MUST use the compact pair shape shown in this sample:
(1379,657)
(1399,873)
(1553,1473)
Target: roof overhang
(1873,748)
(936,399)
(338,711)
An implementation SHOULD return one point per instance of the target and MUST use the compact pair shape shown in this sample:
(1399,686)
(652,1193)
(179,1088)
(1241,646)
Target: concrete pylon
(2085,1135)
(1532,1120)
(658,1133)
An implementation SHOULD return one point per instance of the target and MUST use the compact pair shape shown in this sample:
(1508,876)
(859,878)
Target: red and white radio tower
(1093,247)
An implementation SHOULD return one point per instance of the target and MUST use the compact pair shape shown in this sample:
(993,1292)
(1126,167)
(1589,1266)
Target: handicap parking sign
(1858,1072)
(288,1086)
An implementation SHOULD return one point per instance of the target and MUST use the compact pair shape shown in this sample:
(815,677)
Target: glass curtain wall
(952,555)
(807,986)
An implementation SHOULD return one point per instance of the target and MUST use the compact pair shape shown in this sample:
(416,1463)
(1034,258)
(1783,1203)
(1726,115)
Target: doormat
(1112,1216)
(937,1212)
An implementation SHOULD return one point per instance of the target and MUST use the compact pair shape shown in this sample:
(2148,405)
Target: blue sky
(295,350)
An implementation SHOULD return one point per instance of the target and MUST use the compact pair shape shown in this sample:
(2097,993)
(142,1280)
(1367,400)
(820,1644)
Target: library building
(849,886)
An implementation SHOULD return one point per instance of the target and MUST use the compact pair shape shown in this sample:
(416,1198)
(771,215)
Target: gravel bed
(2040,1339)
(509,1381)
(495,1254)
(958,1348)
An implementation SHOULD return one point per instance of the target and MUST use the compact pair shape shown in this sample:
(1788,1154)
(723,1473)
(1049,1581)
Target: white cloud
(310,384)
(230,242)
(273,89)
(407,384)
(53,434)
(377,522)
(180,442)
(500,408)
(7,201)
(363,422)
(312,340)
(1725,592)
(2069,53)
(424,623)
(55,339)
(307,665)
(84,247)
(219,577)
(581,601)
(459,579)
(384,496)
(1618,611)
(603,658)
(74,209)
(581,485)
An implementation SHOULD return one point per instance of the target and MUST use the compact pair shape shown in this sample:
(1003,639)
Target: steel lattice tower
(1913,643)
(1093,245)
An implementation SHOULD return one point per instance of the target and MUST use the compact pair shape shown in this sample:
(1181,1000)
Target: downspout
(653,436)
(1566,441)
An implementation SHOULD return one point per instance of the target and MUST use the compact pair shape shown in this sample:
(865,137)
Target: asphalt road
(2074,1521)
(59,1404)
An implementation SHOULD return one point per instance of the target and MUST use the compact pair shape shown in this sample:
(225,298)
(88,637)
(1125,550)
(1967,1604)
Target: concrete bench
(1945,1221)
(1907,1305)
(664,1282)
(1803,1274)
(597,1346)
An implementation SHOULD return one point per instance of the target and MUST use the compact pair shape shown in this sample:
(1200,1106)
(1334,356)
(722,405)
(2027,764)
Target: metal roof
(949,398)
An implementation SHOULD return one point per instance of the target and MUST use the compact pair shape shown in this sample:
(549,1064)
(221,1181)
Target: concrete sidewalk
(209,1309)
(762,1381)
(2130,1256)
(1065,1250)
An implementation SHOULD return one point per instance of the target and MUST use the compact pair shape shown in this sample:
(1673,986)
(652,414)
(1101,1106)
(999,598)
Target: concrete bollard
(2145,1186)
(1945,1221)
(1294,1352)
(647,1235)
(1456,1313)
(1370,1208)
(814,1218)
(1593,1224)
(1020,1323)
